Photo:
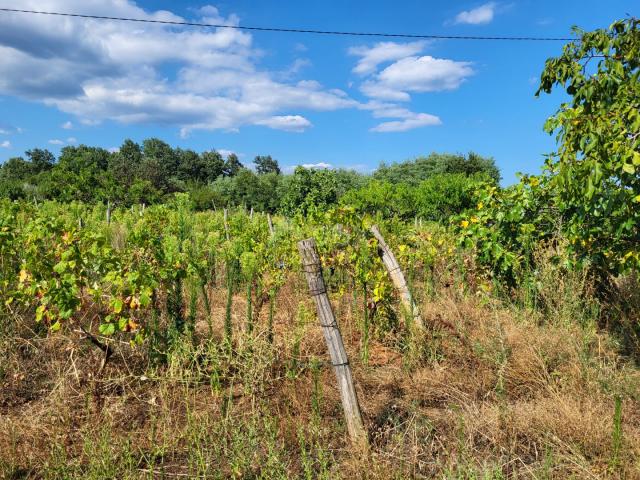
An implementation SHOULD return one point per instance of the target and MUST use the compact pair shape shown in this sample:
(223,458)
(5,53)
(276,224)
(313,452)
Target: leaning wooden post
(270,222)
(313,271)
(397,277)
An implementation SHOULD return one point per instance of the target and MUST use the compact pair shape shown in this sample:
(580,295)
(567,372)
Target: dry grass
(489,391)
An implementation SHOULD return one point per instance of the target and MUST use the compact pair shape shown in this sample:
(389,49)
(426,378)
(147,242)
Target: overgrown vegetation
(152,172)
(161,341)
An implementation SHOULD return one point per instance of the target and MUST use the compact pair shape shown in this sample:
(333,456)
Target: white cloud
(72,140)
(416,74)
(383,52)
(408,119)
(319,165)
(120,70)
(225,153)
(414,121)
(289,123)
(478,16)
(425,74)
(299,64)
(56,141)
(7,129)
(114,149)
(67,125)
(406,74)
(376,89)
(5,144)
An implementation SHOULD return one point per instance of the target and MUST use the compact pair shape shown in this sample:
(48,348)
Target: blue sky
(348,102)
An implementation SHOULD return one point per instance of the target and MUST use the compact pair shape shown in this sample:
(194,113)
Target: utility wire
(293,30)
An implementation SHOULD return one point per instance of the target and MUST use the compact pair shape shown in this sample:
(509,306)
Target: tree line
(433,187)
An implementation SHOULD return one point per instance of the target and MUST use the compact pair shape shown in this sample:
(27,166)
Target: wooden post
(270,222)
(313,271)
(226,225)
(251,214)
(397,277)
(108,212)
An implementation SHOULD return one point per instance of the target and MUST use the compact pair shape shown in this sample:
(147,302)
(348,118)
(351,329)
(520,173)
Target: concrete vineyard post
(313,271)
(397,277)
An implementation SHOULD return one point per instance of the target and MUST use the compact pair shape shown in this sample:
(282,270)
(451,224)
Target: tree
(124,166)
(159,165)
(595,173)
(213,165)
(41,159)
(16,168)
(266,164)
(415,171)
(190,166)
(232,165)
(308,191)
(80,174)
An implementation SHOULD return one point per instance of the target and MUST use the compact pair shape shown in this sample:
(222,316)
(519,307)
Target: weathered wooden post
(226,224)
(313,271)
(397,277)
(251,214)
(270,222)
(108,212)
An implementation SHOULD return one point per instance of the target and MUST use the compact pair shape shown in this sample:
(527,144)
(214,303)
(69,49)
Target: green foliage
(420,169)
(232,166)
(247,189)
(432,188)
(595,174)
(589,194)
(382,198)
(311,191)
(266,164)
(507,225)
(438,198)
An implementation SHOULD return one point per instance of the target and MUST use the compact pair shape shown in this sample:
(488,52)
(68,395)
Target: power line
(293,30)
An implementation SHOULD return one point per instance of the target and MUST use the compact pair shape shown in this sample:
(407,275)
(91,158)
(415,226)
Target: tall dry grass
(520,387)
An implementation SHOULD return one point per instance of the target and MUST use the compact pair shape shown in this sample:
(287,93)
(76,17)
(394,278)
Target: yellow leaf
(23,276)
